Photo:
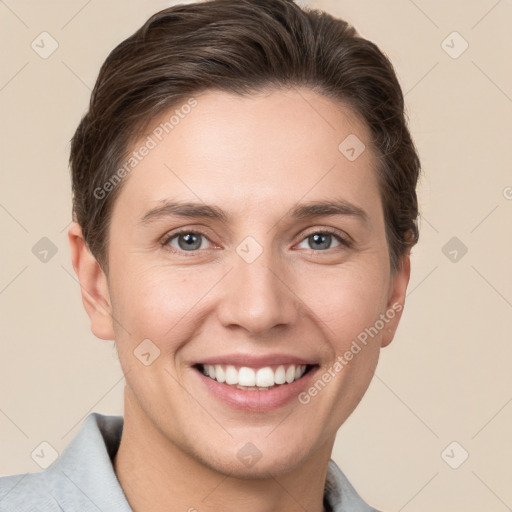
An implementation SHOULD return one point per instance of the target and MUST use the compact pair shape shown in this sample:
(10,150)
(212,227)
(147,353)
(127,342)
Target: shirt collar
(340,495)
(83,477)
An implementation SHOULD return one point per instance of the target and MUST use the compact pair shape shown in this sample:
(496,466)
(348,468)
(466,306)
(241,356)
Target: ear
(93,285)
(396,300)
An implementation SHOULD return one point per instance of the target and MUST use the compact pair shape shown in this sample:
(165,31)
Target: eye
(189,241)
(192,241)
(322,240)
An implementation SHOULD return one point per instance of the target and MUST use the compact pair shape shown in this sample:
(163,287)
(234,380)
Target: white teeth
(220,374)
(280,376)
(246,376)
(251,379)
(265,377)
(231,375)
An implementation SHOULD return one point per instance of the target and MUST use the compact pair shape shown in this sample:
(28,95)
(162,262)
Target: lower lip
(259,401)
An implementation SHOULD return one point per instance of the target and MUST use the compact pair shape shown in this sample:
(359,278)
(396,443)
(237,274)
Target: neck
(157,476)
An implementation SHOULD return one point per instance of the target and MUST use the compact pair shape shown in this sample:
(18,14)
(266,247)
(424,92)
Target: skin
(255,157)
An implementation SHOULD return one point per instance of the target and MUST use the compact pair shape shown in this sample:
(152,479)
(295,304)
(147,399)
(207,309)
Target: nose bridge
(256,296)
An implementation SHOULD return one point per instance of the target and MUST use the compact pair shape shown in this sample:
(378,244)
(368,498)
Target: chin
(248,461)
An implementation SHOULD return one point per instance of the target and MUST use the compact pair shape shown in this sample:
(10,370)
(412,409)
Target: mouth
(246,378)
(255,382)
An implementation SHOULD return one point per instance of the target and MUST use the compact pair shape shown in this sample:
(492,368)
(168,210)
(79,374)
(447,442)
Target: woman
(244,208)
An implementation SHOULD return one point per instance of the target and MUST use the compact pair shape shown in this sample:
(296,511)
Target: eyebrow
(299,211)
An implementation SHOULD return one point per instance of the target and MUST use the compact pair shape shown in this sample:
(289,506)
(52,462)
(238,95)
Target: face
(243,312)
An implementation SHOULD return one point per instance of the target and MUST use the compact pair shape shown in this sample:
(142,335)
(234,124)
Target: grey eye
(320,241)
(188,241)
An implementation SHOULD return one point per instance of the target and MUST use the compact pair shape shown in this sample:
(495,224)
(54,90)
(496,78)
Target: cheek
(154,302)
(347,300)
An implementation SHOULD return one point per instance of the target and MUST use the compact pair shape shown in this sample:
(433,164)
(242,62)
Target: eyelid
(169,236)
(341,236)
(332,231)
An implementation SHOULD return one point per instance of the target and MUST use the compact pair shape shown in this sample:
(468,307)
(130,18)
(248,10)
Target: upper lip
(256,361)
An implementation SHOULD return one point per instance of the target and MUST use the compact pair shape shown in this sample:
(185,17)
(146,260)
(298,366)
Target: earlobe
(93,285)
(396,301)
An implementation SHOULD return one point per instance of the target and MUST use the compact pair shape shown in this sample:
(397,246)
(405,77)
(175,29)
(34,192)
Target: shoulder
(22,493)
(82,478)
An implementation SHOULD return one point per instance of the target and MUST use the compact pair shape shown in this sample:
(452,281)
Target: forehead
(252,154)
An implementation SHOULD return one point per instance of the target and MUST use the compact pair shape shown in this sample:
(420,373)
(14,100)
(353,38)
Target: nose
(258,296)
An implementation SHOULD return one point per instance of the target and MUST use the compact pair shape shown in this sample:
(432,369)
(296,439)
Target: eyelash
(165,243)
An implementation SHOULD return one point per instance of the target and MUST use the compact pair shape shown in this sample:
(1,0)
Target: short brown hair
(240,46)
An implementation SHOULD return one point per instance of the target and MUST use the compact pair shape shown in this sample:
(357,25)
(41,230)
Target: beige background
(447,375)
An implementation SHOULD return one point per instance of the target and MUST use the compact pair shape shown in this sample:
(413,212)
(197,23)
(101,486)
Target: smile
(254,379)
(255,382)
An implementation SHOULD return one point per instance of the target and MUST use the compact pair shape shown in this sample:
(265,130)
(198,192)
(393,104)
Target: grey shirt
(82,479)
